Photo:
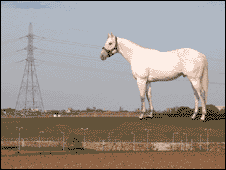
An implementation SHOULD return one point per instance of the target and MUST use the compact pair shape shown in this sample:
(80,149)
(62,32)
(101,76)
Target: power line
(217,83)
(209,82)
(9,41)
(214,59)
(72,43)
(80,56)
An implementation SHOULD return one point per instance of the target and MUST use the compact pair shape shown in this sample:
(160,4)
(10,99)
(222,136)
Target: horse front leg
(148,94)
(142,87)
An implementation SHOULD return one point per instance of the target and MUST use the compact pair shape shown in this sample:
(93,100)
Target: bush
(3,113)
(99,110)
(211,109)
(75,112)
(221,114)
(222,111)
(184,111)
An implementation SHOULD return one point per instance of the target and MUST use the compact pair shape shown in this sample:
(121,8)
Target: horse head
(110,47)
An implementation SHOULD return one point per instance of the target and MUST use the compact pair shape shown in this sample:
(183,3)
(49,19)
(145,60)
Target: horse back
(190,60)
(152,63)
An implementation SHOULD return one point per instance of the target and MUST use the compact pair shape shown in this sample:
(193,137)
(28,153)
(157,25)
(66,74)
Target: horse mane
(139,45)
(134,43)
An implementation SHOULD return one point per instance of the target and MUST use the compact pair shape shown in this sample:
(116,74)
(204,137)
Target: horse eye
(110,43)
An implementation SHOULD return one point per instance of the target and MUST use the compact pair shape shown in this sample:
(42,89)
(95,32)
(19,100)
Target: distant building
(69,110)
(169,110)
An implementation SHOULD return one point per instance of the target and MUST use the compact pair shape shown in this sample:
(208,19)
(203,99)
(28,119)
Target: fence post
(103,145)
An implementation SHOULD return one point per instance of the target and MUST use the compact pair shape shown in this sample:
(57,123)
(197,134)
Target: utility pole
(84,135)
(29,94)
(207,137)
(147,136)
(103,144)
(109,138)
(200,141)
(133,141)
(63,139)
(39,138)
(186,139)
(19,136)
(173,138)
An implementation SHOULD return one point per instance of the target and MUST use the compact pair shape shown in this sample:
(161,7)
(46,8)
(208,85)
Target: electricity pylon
(29,96)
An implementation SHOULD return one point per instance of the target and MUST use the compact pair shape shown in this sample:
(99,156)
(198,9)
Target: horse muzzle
(103,55)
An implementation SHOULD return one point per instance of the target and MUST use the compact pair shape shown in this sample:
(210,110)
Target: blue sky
(70,71)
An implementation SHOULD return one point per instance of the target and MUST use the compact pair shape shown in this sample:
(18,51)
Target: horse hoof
(203,118)
(141,116)
(193,116)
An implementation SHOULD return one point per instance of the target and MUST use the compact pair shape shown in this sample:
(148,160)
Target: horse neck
(126,48)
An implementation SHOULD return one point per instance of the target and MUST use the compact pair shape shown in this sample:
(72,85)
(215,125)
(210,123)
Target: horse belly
(156,65)
(163,76)
(168,68)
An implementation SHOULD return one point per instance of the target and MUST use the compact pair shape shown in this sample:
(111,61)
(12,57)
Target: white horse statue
(149,65)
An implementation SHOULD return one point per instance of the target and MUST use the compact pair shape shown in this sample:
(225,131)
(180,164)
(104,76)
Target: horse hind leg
(196,85)
(148,94)
(203,104)
(196,102)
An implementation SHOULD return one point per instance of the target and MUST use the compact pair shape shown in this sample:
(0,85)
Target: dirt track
(167,160)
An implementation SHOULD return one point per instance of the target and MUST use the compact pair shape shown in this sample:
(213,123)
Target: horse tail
(205,79)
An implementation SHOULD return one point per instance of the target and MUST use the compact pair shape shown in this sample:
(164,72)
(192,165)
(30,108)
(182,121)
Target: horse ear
(109,35)
(112,35)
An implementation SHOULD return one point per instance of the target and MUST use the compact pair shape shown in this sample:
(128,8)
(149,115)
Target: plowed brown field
(138,160)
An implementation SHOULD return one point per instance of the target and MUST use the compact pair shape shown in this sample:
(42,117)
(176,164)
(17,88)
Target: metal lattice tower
(29,96)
